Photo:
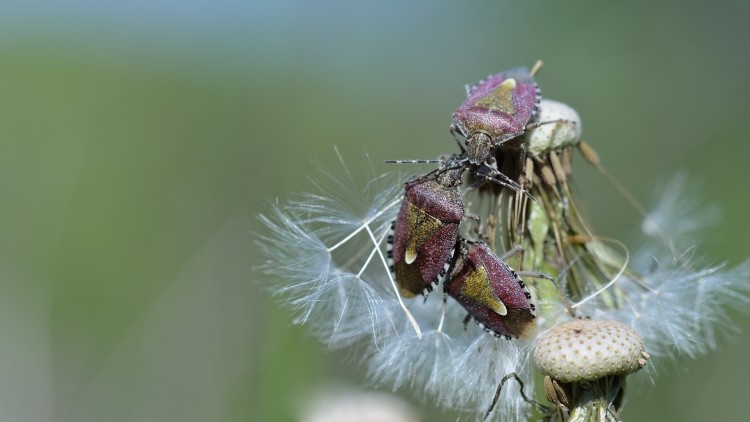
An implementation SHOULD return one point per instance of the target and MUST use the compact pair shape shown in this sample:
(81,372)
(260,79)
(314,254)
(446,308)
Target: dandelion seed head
(589,349)
(324,260)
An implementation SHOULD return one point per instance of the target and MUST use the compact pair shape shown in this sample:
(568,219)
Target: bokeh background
(140,139)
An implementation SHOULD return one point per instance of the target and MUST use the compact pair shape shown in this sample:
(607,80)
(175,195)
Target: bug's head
(478,148)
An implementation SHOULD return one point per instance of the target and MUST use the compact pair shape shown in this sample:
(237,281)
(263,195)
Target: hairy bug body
(425,233)
(491,292)
(496,110)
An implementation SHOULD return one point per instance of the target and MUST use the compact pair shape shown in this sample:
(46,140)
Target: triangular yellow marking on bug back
(421,226)
(477,288)
(508,85)
(411,254)
(501,98)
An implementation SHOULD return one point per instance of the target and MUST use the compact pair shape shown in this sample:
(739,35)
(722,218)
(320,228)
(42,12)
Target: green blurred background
(140,139)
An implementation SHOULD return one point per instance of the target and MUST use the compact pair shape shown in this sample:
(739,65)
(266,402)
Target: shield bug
(491,292)
(496,110)
(425,232)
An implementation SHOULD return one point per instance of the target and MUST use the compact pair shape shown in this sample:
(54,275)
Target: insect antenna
(484,177)
(414,161)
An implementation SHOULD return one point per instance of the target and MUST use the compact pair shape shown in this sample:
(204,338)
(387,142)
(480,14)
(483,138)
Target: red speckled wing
(499,106)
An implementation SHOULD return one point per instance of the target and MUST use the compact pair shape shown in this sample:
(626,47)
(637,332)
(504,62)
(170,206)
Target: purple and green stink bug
(425,233)
(496,110)
(491,292)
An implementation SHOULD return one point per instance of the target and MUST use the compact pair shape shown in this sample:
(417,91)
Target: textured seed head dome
(583,349)
(563,129)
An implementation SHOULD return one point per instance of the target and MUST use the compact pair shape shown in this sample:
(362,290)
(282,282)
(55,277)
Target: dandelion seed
(614,279)
(339,306)
(481,368)
(686,309)
(321,250)
(415,364)
(678,213)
